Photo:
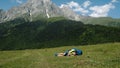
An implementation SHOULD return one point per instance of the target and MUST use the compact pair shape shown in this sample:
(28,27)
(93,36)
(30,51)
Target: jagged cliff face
(2,15)
(33,9)
(43,7)
(69,13)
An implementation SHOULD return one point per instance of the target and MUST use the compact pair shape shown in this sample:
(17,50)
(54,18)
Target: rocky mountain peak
(34,9)
(69,13)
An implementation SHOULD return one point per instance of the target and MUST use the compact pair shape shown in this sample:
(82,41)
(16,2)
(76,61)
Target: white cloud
(19,1)
(87,9)
(86,4)
(75,7)
(83,11)
(73,4)
(101,11)
(113,1)
(62,5)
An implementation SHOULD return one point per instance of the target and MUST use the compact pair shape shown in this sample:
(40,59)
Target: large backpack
(78,52)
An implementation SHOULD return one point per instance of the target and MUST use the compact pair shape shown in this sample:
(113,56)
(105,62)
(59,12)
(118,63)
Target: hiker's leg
(60,54)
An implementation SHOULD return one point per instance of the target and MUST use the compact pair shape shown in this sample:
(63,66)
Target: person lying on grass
(71,52)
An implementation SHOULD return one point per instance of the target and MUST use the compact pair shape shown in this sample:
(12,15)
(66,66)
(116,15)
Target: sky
(94,8)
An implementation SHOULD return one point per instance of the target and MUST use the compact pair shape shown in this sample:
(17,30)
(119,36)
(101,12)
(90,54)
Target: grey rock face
(70,14)
(38,8)
(2,15)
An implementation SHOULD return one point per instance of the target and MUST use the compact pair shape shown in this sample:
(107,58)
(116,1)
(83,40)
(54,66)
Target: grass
(94,56)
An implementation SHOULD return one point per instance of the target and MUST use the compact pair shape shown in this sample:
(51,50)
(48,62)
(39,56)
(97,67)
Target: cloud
(73,4)
(75,7)
(103,10)
(62,5)
(86,4)
(87,9)
(19,1)
(114,1)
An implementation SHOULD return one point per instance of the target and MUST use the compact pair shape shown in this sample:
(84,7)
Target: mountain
(42,24)
(53,32)
(70,14)
(35,9)
(2,15)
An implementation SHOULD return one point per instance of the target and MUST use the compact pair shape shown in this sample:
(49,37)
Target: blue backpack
(78,52)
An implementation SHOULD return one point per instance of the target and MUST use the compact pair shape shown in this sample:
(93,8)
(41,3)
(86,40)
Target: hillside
(94,56)
(53,32)
(105,21)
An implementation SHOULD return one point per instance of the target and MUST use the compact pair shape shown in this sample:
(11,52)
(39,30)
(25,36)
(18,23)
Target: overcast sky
(94,8)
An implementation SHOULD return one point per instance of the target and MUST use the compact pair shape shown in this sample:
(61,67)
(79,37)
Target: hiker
(71,52)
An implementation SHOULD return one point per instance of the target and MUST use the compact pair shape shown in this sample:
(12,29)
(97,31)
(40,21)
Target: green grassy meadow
(94,56)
